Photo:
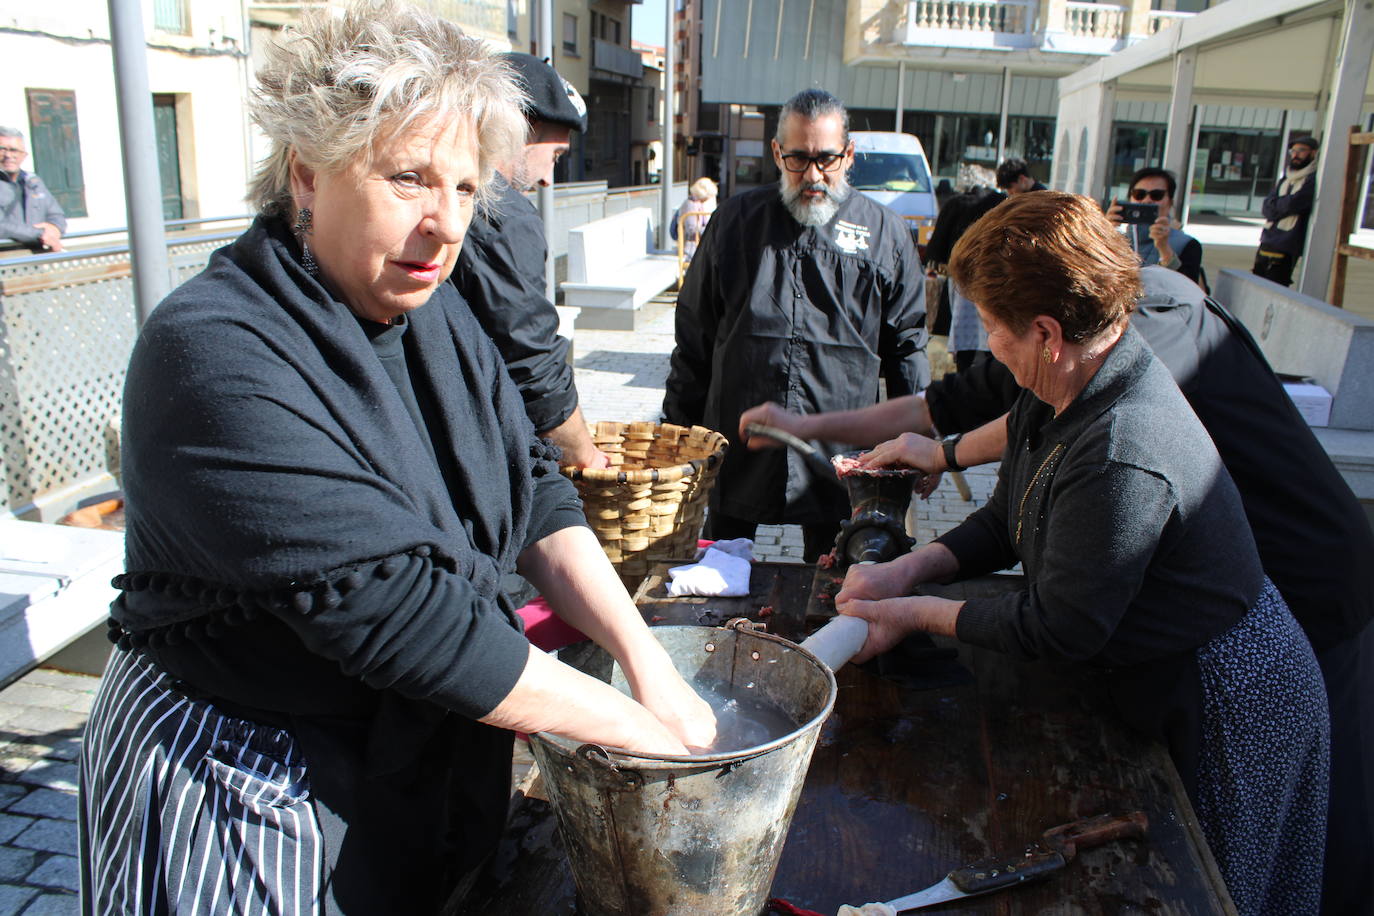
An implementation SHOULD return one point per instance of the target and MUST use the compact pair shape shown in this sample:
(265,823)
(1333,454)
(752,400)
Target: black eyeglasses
(1155,194)
(800,162)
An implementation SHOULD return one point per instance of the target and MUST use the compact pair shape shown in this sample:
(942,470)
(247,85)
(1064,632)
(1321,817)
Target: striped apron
(184,809)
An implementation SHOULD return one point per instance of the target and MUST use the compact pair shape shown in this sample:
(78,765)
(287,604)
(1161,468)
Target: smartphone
(1142,214)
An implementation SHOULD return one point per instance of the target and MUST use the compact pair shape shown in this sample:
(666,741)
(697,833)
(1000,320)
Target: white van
(891,168)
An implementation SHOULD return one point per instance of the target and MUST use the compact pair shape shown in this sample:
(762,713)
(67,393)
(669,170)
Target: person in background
(1159,242)
(1138,558)
(803,292)
(500,270)
(1286,211)
(966,336)
(328,472)
(693,215)
(29,214)
(1014,177)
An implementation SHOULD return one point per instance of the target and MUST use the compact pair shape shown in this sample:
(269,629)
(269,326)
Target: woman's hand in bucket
(687,716)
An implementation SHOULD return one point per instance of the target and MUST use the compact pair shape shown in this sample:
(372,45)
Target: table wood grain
(907,784)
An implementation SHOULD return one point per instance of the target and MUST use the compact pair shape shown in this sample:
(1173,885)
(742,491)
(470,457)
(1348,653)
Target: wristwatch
(948,444)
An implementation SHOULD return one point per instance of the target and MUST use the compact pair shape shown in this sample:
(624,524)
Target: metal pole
(1351,75)
(666,210)
(546,193)
(138,149)
(901,96)
(1002,118)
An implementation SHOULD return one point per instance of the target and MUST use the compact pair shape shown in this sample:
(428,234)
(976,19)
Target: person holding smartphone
(1153,234)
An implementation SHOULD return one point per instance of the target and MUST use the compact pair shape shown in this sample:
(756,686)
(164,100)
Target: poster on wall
(1233,173)
(1216,170)
(1226,157)
(1200,158)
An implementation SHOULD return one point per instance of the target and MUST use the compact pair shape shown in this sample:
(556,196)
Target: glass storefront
(1233,169)
(952,140)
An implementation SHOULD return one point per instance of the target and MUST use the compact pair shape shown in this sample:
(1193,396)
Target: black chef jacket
(809,317)
(500,273)
(1313,537)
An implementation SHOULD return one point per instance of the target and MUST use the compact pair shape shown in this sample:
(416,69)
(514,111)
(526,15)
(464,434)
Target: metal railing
(1010,16)
(170,225)
(1094,20)
(1163,19)
(613,58)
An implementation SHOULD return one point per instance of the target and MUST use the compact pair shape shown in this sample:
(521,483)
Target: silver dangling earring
(305,222)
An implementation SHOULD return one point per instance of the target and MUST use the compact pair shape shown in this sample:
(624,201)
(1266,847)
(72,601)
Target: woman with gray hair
(328,474)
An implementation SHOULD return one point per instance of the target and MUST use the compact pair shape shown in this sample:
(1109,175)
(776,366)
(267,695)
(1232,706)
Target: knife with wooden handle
(1055,849)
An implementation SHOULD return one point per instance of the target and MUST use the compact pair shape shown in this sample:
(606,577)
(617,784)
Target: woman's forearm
(572,573)
(553,697)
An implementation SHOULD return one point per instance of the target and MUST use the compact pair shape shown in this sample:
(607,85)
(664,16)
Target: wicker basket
(650,504)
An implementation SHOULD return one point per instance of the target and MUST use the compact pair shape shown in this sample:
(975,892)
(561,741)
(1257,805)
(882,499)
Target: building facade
(974,80)
(60,92)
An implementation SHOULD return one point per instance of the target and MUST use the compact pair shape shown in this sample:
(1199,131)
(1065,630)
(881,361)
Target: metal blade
(936,893)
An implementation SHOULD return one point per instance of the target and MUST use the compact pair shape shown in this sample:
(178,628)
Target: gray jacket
(25,203)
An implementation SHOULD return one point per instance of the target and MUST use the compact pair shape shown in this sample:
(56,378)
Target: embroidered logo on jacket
(851,237)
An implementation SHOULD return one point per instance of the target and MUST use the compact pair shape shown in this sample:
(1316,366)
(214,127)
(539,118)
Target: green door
(55,146)
(168,162)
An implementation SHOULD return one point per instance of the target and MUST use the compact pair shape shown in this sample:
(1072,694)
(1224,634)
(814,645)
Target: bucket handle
(593,764)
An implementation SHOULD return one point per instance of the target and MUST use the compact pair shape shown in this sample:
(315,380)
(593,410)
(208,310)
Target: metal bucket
(685,836)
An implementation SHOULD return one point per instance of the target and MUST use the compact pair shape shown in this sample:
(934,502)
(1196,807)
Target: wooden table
(907,784)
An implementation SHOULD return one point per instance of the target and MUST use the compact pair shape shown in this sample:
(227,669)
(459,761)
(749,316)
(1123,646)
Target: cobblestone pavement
(620,376)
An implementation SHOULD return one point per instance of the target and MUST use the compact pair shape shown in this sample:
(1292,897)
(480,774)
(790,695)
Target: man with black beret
(1286,212)
(500,270)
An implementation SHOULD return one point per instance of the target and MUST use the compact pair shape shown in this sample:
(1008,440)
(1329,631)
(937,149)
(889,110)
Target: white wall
(65,45)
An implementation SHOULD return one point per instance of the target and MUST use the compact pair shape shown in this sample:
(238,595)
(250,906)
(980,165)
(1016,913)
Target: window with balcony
(171,16)
(569,33)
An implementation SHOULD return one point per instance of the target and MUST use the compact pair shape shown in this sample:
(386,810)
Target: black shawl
(268,456)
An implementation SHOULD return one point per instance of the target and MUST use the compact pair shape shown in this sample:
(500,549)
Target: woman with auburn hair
(1138,559)
(329,473)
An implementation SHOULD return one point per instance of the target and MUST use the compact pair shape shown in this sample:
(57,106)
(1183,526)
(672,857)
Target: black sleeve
(1100,539)
(1190,260)
(500,274)
(696,320)
(556,506)
(1277,206)
(902,339)
(961,401)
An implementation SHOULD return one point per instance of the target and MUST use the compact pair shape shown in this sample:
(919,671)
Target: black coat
(1312,535)
(500,273)
(771,310)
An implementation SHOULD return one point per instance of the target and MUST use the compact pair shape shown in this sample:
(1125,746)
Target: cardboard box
(1312,400)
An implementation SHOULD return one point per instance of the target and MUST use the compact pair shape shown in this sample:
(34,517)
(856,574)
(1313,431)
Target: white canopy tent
(1282,54)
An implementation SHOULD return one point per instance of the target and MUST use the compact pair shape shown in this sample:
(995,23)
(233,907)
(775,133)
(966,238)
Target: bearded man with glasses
(29,215)
(1160,242)
(804,294)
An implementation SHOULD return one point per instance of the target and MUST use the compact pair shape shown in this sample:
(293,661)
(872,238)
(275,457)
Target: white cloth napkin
(717,574)
(735,547)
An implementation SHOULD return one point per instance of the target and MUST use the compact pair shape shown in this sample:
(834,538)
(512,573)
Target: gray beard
(816,213)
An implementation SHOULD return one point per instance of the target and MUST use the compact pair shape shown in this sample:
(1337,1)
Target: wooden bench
(612,270)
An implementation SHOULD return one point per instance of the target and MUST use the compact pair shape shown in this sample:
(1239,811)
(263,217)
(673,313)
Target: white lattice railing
(1015,16)
(1163,19)
(1094,20)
